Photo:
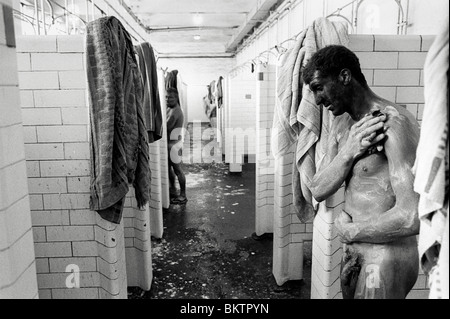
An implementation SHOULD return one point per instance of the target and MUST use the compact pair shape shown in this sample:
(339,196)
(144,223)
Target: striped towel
(152,102)
(298,120)
(118,144)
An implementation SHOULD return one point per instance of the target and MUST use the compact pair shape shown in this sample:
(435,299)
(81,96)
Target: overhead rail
(281,48)
(48,12)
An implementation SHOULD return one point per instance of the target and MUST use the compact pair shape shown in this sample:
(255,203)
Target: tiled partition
(393,66)
(274,211)
(67,234)
(17,259)
(265,100)
(289,233)
(240,123)
(159,197)
(163,145)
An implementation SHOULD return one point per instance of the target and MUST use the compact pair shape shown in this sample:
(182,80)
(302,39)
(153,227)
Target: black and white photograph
(224,158)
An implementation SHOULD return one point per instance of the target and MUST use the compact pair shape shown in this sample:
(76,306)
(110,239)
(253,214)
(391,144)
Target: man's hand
(363,134)
(345,227)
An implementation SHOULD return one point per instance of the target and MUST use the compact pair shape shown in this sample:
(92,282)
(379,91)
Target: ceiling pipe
(254,19)
(273,17)
(174,29)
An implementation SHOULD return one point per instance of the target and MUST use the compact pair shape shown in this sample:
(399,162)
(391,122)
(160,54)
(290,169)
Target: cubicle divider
(240,120)
(17,255)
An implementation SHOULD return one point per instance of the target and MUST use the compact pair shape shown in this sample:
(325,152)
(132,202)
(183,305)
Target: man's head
(172,97)
(332,74)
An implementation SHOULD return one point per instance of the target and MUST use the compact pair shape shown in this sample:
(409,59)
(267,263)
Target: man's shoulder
(180,113)
(399,118)
(177,111)
(403,131)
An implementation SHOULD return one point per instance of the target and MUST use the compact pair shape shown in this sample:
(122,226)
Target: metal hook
(285,41)
(282,51)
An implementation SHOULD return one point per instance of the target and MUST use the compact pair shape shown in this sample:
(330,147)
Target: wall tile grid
(17,256)
(265,99)
(274,190)
(393,66)
(287,249)
(159,170)
(241,118)
(56,127)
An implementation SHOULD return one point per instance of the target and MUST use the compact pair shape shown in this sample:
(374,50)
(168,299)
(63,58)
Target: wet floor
(208,251)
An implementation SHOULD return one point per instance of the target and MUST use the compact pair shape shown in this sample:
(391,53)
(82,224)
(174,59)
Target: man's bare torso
(385,270)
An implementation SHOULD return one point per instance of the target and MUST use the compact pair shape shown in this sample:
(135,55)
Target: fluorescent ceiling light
(198,19)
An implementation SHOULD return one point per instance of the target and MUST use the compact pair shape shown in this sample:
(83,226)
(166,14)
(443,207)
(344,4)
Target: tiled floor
(208,251)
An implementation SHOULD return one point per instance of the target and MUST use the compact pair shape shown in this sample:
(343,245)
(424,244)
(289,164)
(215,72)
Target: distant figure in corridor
(372,148)
(175,120)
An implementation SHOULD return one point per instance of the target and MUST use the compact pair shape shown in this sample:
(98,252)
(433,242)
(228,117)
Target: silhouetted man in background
(175,120)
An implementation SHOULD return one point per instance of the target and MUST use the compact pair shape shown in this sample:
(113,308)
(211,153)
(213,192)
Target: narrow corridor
(208,251)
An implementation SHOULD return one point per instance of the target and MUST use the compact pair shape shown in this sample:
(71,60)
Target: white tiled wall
(56,127)
(159,169)
(17,255)
(265,100)
(241,119)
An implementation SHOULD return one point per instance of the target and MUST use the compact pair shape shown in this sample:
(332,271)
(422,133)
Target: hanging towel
(431,166)
(298,120)
(118,145)
(220,92)
(207,106)
(152,103)
(171,79)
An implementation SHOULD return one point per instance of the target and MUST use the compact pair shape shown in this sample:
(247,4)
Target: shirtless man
(373,155)
(175,120)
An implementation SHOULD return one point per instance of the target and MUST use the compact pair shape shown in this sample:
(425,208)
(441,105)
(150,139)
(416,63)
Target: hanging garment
(213,100)
(212,92)
(220,92)
(213,112)
(151,103)
(119,147)
(171,79)
(297,119)
(431,169)
(207,106)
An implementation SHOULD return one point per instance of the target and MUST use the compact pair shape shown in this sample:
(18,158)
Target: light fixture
(197,37)
(198,19)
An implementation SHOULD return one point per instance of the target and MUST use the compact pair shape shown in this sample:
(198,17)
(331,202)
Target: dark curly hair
(330,60)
